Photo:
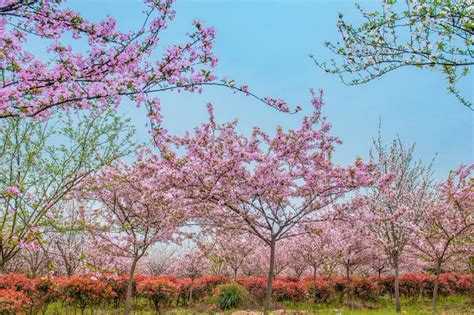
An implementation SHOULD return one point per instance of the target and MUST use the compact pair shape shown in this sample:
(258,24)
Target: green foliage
(45,160)
(230,296)
(428,34)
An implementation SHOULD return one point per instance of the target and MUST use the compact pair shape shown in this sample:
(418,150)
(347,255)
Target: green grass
(451,305)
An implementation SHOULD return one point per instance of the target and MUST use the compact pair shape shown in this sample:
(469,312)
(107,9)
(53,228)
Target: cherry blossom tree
(446,222)
(41,162)
(297,265)
(318,247)
(254,264)
(353,246)
(264,185)
(160,259)
(232,248)
(113,64)
(433,34)
(192,264)
(395,203)
(136,208)
(377,262)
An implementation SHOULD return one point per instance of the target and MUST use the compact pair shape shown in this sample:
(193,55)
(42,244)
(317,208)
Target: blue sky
(266,44)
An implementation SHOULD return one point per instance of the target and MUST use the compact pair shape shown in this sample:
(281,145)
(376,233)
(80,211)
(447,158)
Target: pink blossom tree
(395,203)
(377,262)
(318,246)
(264,185)
(297,265)
(192,264)
(353,246)
(231,248)
(446,222)
(113,65)
(160,259)
(136,208)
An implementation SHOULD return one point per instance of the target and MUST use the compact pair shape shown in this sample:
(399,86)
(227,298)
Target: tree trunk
(436,287)
(190,297)
(472,287)
(397,286)
(315,293)
(128,297)
(348,273)
(268,297)
(235,274)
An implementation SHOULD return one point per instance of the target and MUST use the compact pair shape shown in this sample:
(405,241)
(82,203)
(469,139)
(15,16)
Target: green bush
(230,295)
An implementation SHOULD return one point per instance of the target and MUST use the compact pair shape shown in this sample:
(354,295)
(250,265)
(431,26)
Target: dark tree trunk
(190,297)
(472,287)
(436,288)
(397,286)
(315,293)
(268,297)
(128,297)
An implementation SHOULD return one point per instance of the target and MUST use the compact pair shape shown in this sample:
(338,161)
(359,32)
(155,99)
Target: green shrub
(230,295)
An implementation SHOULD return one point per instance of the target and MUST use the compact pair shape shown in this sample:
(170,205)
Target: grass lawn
(452,305)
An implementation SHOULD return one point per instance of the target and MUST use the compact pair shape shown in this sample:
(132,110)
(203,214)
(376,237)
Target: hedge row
(18,293)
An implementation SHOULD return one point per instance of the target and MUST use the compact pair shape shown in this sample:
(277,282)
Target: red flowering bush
(256,286)
(410,285)
(322,292)
(13,301)
(426,283)
(17,282)
(290,278)
(18,292)
(464,283)
(339,284)
(45,293)
(386,284)
(207,284)
(363,288)
(279,290)
(448,283)
(184,289)
(283,290)
(161,291)
(84,291)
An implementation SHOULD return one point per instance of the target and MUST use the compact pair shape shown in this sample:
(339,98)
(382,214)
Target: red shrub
(256,286)
(207,284)
(290,278)
(322,292)
(339,284)
(159,290)
(426,284)
(448,283)
(45,292)
(17,282)
(410,285)
(386,284)
(293,291)
(17,291)
(84,291)
(464,283)
(363,288)
(13,301)
(184,288)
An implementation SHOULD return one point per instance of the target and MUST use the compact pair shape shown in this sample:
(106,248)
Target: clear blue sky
(266,44)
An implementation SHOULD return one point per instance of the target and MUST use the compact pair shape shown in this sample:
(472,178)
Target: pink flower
(13,190)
